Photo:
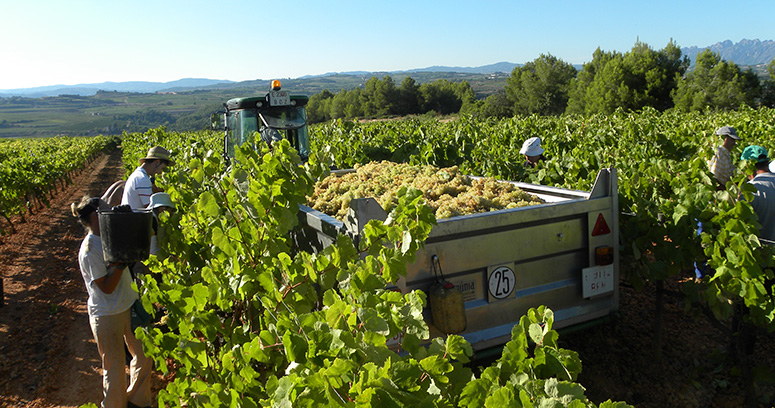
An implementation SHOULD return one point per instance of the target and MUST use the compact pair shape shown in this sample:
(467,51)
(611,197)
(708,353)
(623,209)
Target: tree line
(643,77)
(381,98)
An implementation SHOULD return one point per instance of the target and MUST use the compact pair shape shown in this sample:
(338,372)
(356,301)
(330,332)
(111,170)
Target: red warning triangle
(601,227)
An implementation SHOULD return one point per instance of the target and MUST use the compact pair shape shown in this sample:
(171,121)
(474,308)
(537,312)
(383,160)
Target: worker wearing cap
(111,297)
(764,199)
(533,151)
(139,187)
(721,163)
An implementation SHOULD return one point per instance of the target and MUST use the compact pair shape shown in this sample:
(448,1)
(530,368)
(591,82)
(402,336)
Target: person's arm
(108,283)
(113,194)
(154,188)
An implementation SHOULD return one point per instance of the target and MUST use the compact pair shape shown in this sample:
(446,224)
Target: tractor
(272,117)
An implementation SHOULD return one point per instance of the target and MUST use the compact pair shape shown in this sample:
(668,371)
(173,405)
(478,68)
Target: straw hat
(158,153)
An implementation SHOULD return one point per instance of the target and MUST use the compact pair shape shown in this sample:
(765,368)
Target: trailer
(562,254)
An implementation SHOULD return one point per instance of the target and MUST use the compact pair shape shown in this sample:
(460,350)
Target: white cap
(532,147)
(772,166)
(160,200)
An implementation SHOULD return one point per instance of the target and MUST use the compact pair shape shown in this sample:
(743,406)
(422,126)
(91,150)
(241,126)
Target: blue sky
(53,42)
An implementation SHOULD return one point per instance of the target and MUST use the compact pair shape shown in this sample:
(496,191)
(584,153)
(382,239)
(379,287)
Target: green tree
(496,105)
(579,87)
(768,87)
(409,97)
(466,94)
(367,97)
(445,97)
(632,81)
(317,107)
(714,84)
(540,86)
(338,105)
(661,82)
(386,96)
(353,108)
(379,97)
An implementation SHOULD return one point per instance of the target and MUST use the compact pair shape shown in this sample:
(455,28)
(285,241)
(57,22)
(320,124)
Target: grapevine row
(31,169)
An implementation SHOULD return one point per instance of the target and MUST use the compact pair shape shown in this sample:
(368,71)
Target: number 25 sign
(501,282)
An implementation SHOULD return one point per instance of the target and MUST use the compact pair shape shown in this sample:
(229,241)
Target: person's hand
(141,269)
(119,266)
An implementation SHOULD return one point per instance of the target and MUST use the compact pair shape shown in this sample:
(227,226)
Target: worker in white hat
(533,151)
(160,202)
(721,163)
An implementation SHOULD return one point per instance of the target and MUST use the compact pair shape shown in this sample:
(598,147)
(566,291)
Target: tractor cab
(275,116)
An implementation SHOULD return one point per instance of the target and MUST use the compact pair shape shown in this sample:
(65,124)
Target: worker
(111,297)
(764,199)
(139,187)
(722,168)
(533,151)
(721,163)
(270,135)
(160,202)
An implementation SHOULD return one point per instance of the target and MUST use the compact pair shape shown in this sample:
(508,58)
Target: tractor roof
(253,102)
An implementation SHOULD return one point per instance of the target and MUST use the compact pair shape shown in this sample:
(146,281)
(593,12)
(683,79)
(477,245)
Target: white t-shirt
(137,190)
(93,267)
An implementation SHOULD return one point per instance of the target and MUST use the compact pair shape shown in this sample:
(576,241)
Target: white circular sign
(502,281)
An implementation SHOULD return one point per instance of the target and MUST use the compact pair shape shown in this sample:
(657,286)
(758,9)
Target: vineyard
(31,169)
(250,321)
(260,324)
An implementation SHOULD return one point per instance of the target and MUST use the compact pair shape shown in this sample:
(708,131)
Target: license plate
(597,280)
(279,98)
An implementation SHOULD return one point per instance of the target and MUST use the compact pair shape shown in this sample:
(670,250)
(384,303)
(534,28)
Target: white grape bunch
(447,191)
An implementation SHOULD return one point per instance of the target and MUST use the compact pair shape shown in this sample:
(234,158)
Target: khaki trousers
(110,333)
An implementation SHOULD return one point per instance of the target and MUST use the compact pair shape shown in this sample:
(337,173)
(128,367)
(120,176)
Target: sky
(55,42)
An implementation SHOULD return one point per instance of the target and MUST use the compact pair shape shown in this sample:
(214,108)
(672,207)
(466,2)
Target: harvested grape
(446,190)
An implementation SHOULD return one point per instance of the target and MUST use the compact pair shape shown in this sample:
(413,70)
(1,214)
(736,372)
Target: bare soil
(621,361)
(48,357)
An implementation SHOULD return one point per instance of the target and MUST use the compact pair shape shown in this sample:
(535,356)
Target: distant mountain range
(506,67)
(131,86)
(744,53)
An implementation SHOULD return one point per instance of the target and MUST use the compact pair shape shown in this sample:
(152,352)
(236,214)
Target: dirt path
(47,354)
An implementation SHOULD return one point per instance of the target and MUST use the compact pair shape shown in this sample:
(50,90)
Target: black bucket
(126,236)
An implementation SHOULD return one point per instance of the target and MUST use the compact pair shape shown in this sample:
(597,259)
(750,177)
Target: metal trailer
(562,254)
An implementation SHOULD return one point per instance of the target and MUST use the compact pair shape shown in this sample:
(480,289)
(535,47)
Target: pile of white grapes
(446,190)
